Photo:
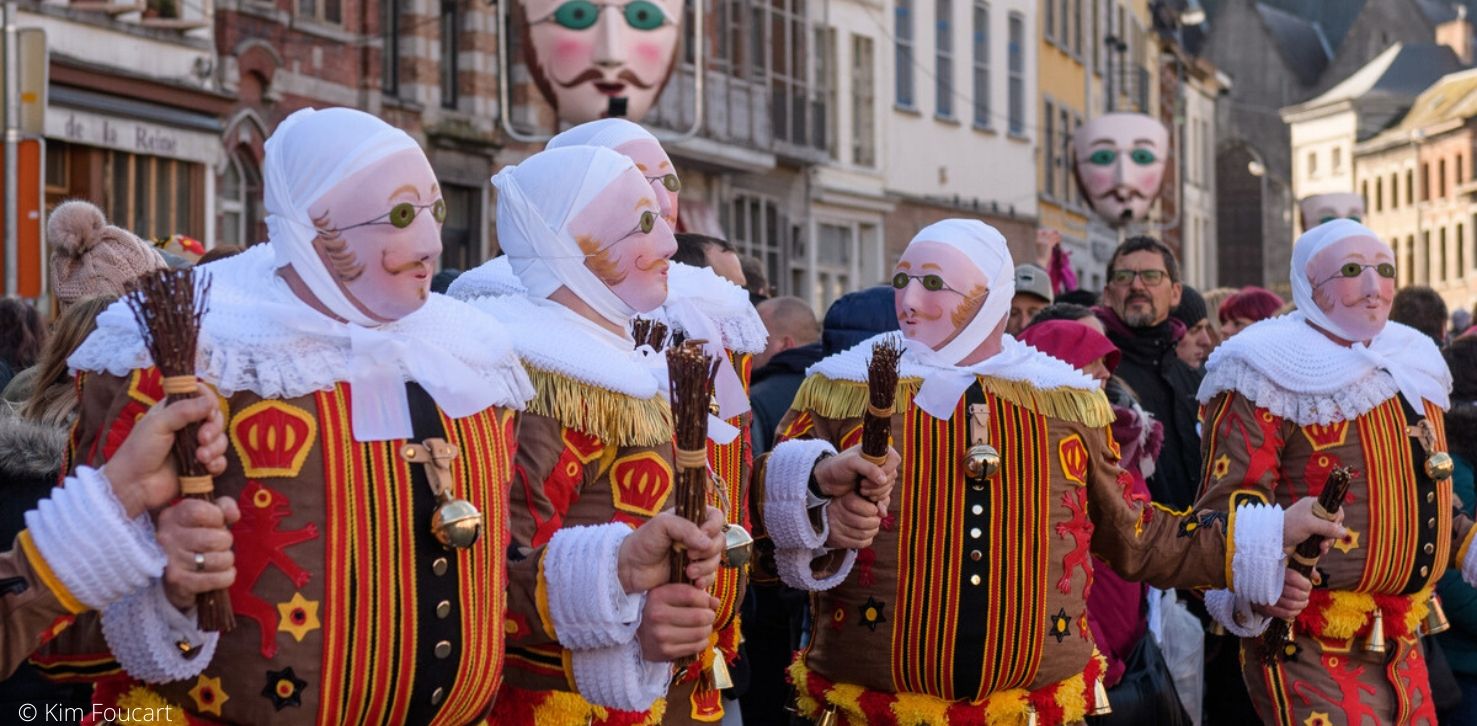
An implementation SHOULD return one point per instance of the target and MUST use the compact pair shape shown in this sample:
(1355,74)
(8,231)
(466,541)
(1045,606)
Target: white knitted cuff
(786,486)
(589,607)
(1235,614)
(89,542)
(1469,565)
(151,638)
(1259,564)
(795,569)
(618,677)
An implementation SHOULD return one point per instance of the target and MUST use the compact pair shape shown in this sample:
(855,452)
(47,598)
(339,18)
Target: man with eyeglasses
(1143,288)
(1288,400)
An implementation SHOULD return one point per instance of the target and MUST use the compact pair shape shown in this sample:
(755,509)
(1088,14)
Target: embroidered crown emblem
(640,483)
(273,438)
(1326,436)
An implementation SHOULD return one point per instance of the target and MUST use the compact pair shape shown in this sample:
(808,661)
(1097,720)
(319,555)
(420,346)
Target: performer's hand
(645,557)
(191,527)
(676,622)
(142,471)
(848,471)
(854,522)
(1296,590)
(1300,523)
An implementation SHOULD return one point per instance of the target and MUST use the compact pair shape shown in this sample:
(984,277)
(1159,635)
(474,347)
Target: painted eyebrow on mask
(904,265)
(644,202)
(407,188)
(930,266)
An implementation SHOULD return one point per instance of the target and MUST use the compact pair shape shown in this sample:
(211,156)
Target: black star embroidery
(1192,524)
(284,688)
(872,613)
(1060,625)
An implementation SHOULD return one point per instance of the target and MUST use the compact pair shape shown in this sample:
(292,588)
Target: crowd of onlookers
(1145,336)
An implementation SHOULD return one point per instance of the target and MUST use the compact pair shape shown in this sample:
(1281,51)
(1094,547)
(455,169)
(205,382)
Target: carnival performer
(1288,400)
(590,251)
(372,427)
(970,606)
(89,545)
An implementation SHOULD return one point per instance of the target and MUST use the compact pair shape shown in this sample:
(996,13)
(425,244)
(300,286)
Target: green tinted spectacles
(646,224)
(403,214)
(1105,157)
(1330,218)
(583,14)
(931,283)
(670,182)
(1355,269)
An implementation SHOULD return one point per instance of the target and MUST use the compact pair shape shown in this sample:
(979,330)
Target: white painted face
(1120,159)
(1320,208)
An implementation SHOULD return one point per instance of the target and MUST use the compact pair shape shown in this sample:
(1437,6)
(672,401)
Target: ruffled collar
(1285,366)
(243,348)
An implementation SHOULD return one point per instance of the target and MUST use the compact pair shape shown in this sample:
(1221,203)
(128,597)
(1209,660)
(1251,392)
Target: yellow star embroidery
(208,695)
(1348,544)
(1317,718)
(299,616)
(1222,467)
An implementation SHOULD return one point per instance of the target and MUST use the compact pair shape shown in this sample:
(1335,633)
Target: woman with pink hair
(1248,305)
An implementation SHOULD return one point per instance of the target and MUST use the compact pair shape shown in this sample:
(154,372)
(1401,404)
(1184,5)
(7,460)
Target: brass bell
(1100,705)
(828,717)
(738,546)
(1376,641)
(981,461)
(722,679)
(1439,466)
(455,523)
(1435,617)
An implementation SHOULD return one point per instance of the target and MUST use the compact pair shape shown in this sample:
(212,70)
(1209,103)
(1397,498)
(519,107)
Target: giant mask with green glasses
(1120,158)
(597,58)
(1320,208)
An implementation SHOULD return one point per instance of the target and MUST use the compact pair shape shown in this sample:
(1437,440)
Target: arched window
(242,219)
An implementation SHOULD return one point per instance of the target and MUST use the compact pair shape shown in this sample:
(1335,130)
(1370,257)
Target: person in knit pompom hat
(90,257)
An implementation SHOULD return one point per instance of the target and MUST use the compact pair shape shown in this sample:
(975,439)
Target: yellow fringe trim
(145,706)
(614,418)
(1002,708)
(848,399)
(1348,612)
(563,707)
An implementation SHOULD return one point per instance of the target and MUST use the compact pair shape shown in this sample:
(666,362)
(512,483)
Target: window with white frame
(1017,80)
(863,102)
(825,91)
(756,226)
(324,11)
(835,262)
(903,36)
(943,58)
(981,65)
(1048,157)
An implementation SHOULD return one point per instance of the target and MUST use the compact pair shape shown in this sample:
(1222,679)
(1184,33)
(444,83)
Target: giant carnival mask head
(952,288)
(596,58)
(1343,279)
(638,145)
(584,218)
(355,210)
(1320,208)
(1120,158)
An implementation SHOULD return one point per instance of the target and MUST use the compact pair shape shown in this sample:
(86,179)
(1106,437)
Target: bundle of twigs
(1305,559)
(168,306)
(691,371)
(882,374)
(650,332)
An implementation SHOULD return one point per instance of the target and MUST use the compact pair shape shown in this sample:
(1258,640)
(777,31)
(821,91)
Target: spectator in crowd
(1461,321)
(1070,312)
(443,279)
(1460,599)
(700,250)
(21,337)
(1250,304)
(90,257)
(1032,292)
(794,344)
(1421,308)
(755,280)
(47,389)
(1085,298)
(856,316)
(1213,299)
(1143,286)
(219,252)
(1194,345)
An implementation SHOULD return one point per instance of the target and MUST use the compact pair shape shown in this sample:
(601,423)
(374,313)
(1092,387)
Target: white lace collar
(554,339)
(1285,366)
(243,349)
(1016,361)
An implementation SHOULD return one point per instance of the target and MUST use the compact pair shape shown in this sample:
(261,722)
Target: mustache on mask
(593,75)
(659,263)
(403,267)
(919,315)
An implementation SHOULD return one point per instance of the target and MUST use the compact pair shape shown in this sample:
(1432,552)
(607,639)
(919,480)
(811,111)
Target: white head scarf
(606,132)
(309,154)
(1417,374)
(536,200)
(986,248)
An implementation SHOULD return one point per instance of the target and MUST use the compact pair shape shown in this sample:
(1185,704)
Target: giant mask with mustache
(1320,208)
(600,58)
(1120,159)
(1347,279)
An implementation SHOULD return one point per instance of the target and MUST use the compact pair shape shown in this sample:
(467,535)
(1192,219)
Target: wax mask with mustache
(1120,158)
(1353,284)
(596,58)
(1320,208)
(626,242)
(637,144)
(379,234)
(936,291)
